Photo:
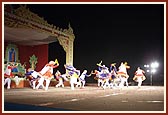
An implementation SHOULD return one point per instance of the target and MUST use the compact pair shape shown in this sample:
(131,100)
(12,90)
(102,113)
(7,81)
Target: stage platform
(91,98)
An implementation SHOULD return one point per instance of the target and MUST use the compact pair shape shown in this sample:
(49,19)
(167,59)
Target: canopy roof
(27,36)
(24,27)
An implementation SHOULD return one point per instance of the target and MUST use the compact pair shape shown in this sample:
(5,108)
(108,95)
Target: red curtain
(25,52)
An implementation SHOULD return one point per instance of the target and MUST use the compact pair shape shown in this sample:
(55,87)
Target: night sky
(109,32)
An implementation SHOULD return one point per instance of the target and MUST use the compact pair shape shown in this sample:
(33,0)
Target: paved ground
(92,99)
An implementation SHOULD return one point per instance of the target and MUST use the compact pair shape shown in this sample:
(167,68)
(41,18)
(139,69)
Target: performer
(73,73)
(113,71)
(47,73)
(82,80)
(96,73)
(103,70)
(8,75)
(100,81)
(139,76)
(114,78)
(96,77)
(33,77)
(104,75)
(122,74)
(60,77)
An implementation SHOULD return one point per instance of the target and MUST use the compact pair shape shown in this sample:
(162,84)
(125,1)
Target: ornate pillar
(71,45)
(67,44)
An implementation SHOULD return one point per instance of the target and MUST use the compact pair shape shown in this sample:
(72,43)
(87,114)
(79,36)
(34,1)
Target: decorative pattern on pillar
(71,50)
(67,45)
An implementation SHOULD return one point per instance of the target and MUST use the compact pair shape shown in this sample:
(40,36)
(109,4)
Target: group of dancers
(111,77)
(106,77)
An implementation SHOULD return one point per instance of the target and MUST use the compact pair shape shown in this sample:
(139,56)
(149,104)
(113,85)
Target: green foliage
(33,61)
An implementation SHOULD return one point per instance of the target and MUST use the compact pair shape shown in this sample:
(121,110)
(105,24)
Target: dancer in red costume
(47,74)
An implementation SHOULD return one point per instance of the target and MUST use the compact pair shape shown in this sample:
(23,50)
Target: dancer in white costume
(122,74)
(47,73)
(139,76)
(82,80)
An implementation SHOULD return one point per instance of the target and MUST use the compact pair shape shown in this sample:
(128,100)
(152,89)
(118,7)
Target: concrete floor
(93,99)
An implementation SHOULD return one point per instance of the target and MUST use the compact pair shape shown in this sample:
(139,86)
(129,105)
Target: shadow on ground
(24,107)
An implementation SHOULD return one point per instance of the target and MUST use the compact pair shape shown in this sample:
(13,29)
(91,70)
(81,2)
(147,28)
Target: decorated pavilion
(27,36)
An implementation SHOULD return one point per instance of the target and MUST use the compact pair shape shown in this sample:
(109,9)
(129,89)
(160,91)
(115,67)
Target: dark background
(109,32)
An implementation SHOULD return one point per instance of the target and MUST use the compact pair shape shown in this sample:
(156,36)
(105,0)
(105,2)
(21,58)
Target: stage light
(152,69)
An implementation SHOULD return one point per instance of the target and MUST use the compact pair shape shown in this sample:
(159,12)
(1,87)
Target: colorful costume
(74,75)
(8,71)
(100,82)
(113,71)
(82,80)
(104,72)
(139,76)
(60,77)
(47,73)
(104,75)
(8,75)
(33,77)
(122,74)
(123,70)
(115,80)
